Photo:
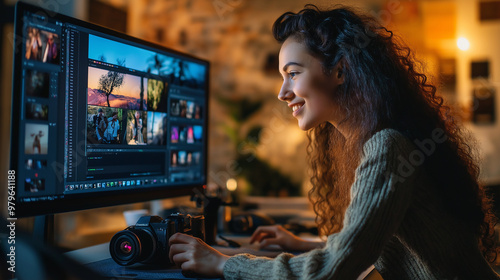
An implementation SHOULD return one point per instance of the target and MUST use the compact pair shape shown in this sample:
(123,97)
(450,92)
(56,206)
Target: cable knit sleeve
(380,196)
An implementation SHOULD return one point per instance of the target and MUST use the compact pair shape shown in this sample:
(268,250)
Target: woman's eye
(292,74)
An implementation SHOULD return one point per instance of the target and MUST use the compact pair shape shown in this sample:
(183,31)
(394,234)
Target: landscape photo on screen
(115,89)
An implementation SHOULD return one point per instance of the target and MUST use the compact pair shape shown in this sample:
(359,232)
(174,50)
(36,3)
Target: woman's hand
(277,235)
(193,255)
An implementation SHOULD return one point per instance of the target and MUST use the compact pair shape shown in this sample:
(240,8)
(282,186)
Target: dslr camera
(147,241)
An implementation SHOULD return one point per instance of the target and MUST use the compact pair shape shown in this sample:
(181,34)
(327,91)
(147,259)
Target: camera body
(147,240)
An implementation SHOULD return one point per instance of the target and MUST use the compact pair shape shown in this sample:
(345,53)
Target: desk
(98,259)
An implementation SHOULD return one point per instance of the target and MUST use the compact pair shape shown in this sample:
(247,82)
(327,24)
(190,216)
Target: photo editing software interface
(100,113)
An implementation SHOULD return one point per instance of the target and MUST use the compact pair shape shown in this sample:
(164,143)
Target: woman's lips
(297,108)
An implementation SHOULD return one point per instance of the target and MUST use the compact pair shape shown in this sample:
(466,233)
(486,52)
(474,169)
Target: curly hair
(382,88)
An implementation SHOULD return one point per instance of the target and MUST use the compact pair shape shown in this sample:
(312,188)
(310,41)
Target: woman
(394,182)
(137,129)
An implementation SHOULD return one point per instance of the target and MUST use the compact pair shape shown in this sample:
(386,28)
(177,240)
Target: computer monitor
(100,118)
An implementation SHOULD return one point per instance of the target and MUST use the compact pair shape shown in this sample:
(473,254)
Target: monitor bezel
(97,199)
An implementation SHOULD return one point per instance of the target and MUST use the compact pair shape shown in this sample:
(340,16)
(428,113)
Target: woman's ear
(339,71)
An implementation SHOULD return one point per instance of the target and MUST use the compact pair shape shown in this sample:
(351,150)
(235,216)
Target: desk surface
(101,252)
(98,258)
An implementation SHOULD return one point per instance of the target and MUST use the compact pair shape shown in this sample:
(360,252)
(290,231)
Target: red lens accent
(125,247)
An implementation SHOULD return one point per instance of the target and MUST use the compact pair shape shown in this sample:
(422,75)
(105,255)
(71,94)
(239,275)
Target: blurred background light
(463,43)
(231,184)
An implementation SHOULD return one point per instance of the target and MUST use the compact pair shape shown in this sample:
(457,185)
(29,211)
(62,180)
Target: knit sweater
(395,220)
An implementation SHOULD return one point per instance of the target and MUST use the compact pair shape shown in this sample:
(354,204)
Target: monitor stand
(43,230)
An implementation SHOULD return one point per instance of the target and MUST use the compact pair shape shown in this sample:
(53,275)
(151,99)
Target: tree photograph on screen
(115,89)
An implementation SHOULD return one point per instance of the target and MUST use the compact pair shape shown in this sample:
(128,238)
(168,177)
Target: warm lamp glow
(231,185)
(463,43)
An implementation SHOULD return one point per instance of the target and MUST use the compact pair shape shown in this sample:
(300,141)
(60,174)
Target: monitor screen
(100,118)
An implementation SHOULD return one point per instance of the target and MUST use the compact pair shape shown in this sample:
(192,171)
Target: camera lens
(131,246)
(126,247)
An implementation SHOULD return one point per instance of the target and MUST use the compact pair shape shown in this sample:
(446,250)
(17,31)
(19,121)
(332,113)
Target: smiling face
(306,88)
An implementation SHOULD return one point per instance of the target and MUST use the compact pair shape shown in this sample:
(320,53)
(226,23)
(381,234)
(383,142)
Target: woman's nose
(285,93)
